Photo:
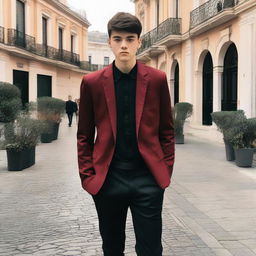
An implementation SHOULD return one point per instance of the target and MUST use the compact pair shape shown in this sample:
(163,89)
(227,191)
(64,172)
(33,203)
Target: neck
(125,67)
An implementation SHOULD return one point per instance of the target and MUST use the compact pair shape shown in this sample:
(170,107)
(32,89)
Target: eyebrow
(121,37)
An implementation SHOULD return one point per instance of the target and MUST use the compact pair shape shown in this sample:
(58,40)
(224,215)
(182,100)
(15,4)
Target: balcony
(211,14)
(166,34)
(1,35)
(86,65)
(26,42)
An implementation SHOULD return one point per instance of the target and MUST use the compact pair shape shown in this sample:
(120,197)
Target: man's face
(69,98)
(124,45)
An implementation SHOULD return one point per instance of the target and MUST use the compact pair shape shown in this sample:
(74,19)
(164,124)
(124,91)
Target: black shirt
(71,106)
(125,90)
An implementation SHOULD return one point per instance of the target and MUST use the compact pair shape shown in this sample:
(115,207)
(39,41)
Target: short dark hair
(124,21)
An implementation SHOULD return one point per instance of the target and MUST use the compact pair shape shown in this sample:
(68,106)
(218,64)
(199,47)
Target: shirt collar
(119,74)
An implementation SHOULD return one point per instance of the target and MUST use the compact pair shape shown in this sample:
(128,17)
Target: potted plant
(242,137)
(182,111)
(10,105)
(50,110)
(20,147)
(224,121)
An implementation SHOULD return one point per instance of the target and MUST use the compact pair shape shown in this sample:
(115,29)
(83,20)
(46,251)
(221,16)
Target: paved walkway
(210,208)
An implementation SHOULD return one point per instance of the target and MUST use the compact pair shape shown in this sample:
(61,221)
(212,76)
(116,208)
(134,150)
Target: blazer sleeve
(85,132)
(166,128)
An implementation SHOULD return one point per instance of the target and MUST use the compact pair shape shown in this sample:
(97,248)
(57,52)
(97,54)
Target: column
(246,65)
(217,84)
(188,82)
(196,118)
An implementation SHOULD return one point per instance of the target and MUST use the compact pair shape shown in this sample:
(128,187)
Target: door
(20,79)
(44,86)
(176,84)
(229,84)
(207,90)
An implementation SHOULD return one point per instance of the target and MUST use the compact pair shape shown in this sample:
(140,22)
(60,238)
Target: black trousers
(137,190)
(70,117)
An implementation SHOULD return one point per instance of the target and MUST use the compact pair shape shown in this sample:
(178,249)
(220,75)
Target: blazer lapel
(141,89)
(109,89)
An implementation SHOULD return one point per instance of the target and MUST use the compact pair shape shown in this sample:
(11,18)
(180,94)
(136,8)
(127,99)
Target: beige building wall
(232,25)
(65,75)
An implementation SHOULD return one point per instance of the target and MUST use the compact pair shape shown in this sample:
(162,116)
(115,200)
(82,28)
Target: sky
(100,11)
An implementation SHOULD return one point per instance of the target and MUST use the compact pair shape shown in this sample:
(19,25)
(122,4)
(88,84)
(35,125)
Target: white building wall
(246,64)
(98,51)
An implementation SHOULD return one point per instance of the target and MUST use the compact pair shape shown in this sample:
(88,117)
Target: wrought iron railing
(21,40)
(86,65)
(171,26)
(1,35)
(209,10)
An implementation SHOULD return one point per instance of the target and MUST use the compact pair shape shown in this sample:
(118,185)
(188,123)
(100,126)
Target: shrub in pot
(21,147)
(182,111)
(10,106)
(224,121)
(242,137)
(50,110)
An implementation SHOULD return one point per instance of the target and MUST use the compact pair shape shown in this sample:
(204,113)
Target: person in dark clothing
(125,142)
(71,108)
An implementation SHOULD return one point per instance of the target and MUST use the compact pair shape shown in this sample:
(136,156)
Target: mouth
(123,52)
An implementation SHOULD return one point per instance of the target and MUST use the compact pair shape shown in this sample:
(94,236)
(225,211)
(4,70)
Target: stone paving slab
(208,210)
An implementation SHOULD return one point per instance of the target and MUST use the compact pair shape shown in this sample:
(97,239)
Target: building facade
(207,49)
(99,52)
(43,48)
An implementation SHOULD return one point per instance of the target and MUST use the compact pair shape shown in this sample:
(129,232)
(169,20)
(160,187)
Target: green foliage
(10,102)
(50,108)
(236,128)
(243,133)
(225,120)
(50,105)
(182,111)
(25,133)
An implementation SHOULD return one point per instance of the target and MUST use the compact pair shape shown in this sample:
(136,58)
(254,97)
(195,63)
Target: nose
(123,45)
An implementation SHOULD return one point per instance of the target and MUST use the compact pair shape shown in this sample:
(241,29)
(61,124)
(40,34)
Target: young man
(130,162)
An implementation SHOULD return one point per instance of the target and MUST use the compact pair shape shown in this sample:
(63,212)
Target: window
(157,12)
(106,61)
(60,38)
(177,9)
(20,23)
(72,43)
(44,31)
(20,16)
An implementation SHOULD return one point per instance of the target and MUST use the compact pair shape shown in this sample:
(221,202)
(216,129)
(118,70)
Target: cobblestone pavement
(208,210)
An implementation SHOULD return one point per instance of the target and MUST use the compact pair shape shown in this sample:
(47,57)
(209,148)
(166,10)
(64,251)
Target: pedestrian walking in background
(130,162)
(77,106)
(71,108)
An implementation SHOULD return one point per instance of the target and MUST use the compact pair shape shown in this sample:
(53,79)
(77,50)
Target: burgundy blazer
(96,135)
